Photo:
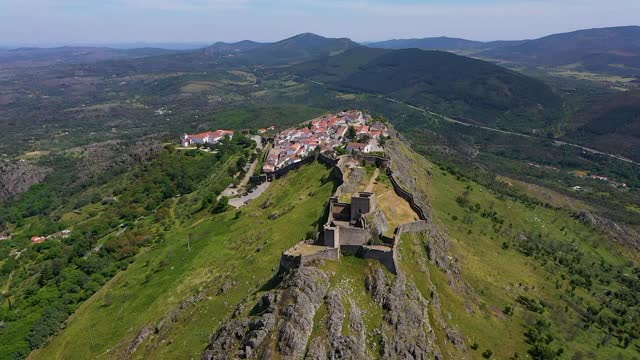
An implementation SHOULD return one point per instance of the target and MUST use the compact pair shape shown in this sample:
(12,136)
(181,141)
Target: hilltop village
(368,212)
(344,132)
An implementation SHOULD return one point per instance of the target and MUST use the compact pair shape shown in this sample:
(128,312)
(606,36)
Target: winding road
(450,120)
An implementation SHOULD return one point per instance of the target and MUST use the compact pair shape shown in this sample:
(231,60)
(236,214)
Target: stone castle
(351,228)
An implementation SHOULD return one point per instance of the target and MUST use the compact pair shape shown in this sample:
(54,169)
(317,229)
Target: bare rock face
(618,233)
(140,338)
(284,314)
(407,333)
(305,291)
(18,177)
(317,350)
(240,338)
(378,221)
(101,157)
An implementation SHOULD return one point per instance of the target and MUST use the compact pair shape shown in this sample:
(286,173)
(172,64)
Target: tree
(221,205)
(351,132)
(487,354)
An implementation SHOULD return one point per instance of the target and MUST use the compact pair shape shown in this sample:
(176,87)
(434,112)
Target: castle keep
(350,228)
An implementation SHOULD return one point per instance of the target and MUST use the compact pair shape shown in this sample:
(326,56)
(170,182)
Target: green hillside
(231,256)
(529,272)
(443,82)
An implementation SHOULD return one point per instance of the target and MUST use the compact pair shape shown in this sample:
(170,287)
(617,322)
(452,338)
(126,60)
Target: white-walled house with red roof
(209,137)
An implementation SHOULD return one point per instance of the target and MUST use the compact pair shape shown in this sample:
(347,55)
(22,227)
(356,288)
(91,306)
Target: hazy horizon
(200,22)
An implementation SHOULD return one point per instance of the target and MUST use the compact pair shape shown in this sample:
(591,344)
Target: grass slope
(488,250)
(232,256)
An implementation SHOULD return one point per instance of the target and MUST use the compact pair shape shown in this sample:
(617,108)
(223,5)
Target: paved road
(557,142)
(241,201)
(448,119)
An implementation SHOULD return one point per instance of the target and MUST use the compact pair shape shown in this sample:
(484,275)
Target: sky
(73,22)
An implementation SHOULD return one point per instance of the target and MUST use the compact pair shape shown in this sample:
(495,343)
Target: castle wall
(327,254)
(413,227)
(289,262)
(385,256)
(353,236)
(372,160)
(285,170)
(331,237)
(406,195)
(361,205)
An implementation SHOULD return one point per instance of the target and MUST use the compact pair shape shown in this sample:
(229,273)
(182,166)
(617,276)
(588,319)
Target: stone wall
(385,256)
(352,236)
(372,160)
(412,227)
(285,170)
(406,195)
(289,262)
(326,254)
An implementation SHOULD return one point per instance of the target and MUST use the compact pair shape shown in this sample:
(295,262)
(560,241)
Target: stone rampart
(294,261)
(285,170)
(412,227)
(325,254)
(353,236)
(406,195)
(383,254)
(372,160)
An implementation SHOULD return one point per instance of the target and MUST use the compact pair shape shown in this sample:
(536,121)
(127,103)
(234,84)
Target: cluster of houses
(61,234)
(209,137)
(325,133)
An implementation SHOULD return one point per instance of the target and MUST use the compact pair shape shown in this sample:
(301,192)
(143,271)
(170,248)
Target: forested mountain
(612,125)
(441,81)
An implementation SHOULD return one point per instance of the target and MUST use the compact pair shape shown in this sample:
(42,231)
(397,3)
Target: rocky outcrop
(342,346)
(98,158)
(140,338)
(378,222)
(285,315)
(407,333)
(304,292)
(18,177)
(240,338)
(621,234)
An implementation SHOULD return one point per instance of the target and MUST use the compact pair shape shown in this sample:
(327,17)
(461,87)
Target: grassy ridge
(236,251)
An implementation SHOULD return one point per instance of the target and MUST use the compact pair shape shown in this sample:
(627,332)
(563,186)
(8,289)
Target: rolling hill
(441,81)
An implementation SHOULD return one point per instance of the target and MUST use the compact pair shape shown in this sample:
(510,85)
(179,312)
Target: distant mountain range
(614,50)
(608,50)
(443,43)
(73,55)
